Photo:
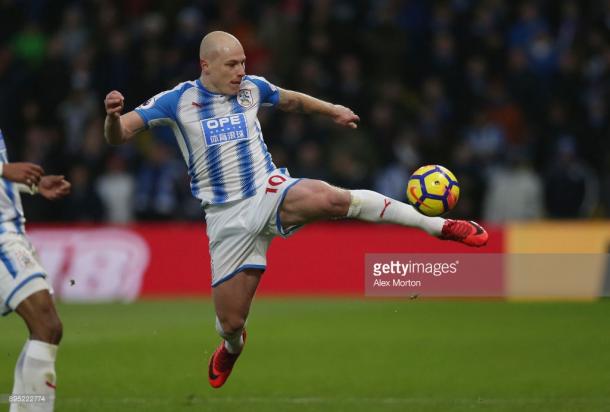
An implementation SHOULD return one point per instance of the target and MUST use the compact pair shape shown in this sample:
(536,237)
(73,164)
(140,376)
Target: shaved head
(217,43)
(223,63)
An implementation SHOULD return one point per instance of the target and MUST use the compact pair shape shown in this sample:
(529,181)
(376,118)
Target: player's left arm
(291,101)
(54,187)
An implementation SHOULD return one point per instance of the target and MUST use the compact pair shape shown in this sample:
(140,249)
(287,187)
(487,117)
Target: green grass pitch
(332,355)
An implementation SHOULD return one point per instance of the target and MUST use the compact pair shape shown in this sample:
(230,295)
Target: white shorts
(240,232)
(21,274)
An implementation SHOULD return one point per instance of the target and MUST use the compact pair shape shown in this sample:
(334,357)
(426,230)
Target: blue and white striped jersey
(12,219)
(219,136)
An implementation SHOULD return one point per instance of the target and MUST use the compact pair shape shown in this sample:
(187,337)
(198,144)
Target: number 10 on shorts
(274,180)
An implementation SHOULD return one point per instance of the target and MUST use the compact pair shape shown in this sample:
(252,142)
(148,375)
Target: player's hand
(26,173)
(345,117)
(114,103)
(54,187)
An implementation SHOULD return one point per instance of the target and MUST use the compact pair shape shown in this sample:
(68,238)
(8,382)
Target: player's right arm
(22,172)
(30,178)
(118,128)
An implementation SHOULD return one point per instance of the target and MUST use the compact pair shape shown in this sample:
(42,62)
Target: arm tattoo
(298,106)
(292,103)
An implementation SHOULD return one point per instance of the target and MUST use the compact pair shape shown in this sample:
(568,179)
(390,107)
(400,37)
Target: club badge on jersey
(244,98)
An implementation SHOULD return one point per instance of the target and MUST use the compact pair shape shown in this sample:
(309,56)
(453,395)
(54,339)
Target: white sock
(233,342)
(36,375)
(374,207)
(18,384)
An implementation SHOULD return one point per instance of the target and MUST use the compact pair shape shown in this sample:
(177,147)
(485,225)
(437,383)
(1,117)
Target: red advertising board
(329,258)
(123,263)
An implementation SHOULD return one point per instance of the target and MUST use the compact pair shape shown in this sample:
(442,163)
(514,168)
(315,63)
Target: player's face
(227,70)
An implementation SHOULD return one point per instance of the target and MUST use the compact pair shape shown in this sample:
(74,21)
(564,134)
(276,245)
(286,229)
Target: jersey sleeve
(269,93)
(159,109)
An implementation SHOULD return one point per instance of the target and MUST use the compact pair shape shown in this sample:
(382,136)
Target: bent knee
(55,331)
(47,327)
(232,325)
(336,202)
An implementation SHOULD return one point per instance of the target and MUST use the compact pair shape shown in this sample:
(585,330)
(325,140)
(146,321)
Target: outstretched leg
(312,200)
(35,370)
(232,300)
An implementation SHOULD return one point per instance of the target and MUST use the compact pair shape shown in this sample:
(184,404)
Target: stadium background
(510,95)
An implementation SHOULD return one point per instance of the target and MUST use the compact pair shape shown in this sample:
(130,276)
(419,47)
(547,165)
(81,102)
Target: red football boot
(221,364)
(467,232)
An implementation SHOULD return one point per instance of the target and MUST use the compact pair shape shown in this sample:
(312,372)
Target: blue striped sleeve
(269,93)
(161,106)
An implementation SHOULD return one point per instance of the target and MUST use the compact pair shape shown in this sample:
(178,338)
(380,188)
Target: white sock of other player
(374,207)
(18,384)
(233,341)
(36,374)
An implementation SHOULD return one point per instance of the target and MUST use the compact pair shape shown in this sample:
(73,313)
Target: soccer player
(23,287)
(247,200)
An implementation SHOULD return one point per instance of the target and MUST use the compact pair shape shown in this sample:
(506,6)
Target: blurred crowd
(512,96)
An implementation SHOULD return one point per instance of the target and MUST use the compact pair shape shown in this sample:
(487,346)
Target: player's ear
(204,66)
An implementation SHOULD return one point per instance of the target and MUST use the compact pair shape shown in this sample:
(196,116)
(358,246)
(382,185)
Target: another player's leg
(232,300)
(312,200)
(35,370)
